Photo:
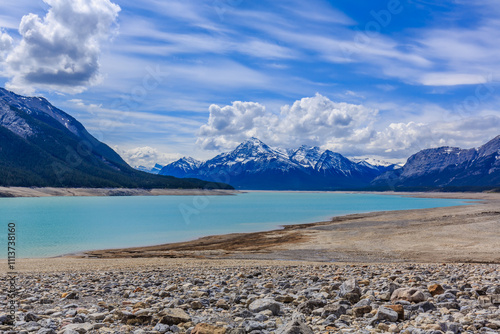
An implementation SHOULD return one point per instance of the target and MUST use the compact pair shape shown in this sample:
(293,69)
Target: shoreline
(466,234)
(15,192)
(460,234)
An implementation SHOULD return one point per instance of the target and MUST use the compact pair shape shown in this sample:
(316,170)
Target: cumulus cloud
(352,130)
(61,50)
(146,156)
(311,121)
(5,43)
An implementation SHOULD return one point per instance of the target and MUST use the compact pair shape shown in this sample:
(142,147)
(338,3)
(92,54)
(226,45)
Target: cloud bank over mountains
(350,129)
(61,50)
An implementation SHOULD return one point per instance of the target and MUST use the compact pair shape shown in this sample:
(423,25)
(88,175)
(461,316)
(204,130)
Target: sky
(161,79)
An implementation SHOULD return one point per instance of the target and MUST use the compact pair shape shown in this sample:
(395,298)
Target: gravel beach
(247,296)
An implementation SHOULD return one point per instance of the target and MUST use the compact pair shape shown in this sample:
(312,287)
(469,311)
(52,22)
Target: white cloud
(146,156)
(308,121)
(5,43)
(451,79)
(352,130)
(61,50)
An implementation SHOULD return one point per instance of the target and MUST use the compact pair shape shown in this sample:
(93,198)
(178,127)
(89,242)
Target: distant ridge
(447,168)
(42,146)
(255,165)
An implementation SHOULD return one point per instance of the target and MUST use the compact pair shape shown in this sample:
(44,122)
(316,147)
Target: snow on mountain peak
(306,156)
(191,162)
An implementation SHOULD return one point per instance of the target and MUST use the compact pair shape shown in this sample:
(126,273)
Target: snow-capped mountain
(448,167)
(181,167)
(153,170)
(378,163)
(255,165)
(306,156)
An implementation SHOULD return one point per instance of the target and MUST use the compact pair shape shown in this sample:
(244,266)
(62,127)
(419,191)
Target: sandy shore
(50,192)
(454,234)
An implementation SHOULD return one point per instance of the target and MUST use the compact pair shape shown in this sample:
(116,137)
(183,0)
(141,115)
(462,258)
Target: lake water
(54,226)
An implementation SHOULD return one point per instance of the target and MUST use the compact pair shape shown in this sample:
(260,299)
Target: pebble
(330,298)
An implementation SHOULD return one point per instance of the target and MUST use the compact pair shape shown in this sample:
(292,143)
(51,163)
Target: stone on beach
(174,316)
(296,326)
(436,289)
(204,328)
(408,294)
(399,309)
(386,313)
(265,304)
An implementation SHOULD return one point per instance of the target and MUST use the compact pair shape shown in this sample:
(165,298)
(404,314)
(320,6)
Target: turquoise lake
(53,226)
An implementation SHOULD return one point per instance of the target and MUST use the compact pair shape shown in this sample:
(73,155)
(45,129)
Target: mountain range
(255,165)
(42,146)
(447,168)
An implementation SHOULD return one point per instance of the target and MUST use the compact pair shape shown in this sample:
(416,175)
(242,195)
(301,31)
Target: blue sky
(158,80)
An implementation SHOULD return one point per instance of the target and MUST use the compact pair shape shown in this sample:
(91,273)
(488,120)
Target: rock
(204,328)
(46,331)
(251,326)
(284,299)
(485,301)
(162,328)
(399,310)
(296,326)
(385,313)
(349,287)
(196,305)
(408,294)
(361,310)
(79,328)
(174,316)
(265,304)
(424,307)
(386,296)
(70,295)
(222,303)
(495,299)
(435,289)
(70,331)
(308,306)
(98,316)
(352,297)
(335,309)
(31,317)
(236,331)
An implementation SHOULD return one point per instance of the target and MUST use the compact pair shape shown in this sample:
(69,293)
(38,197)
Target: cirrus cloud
(61,50)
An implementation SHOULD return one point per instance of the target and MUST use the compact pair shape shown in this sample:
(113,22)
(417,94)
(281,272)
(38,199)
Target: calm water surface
(53,226)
